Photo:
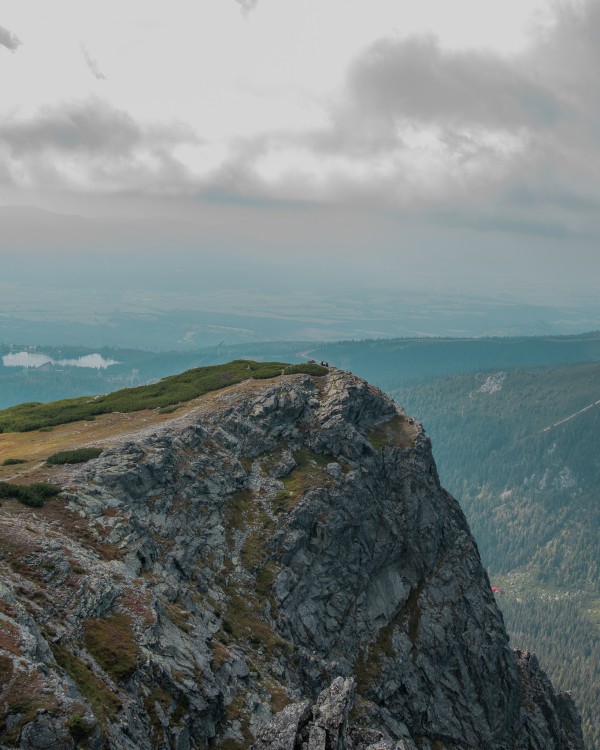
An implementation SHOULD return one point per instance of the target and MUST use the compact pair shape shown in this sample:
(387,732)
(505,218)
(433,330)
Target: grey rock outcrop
(325,726)
(278,568)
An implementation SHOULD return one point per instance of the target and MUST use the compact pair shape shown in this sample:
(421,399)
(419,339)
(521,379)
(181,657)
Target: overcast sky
(465,130)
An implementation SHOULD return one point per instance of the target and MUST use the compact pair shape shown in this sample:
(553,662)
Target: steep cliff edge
(283,548)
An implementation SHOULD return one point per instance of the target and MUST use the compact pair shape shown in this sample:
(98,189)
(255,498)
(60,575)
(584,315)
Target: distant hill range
(386,362)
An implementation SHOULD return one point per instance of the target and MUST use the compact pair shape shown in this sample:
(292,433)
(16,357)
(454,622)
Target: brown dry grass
(138,603)
(23,697)
(7,609)
(110,641)
(20,535)
(104,702)
(10,638)
(73,526)
(220,655)
(35,447)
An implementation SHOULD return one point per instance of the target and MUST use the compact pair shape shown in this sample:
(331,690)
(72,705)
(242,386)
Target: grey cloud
(501,127)
(247,6)
(92,64)
(516,137)
(416,78)
(6,173)
(91,127)
(82,127)
(101,144)
(9,40)
(546,97)
(402,85)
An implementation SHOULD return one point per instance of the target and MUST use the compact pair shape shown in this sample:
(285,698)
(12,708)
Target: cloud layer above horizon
(481,116)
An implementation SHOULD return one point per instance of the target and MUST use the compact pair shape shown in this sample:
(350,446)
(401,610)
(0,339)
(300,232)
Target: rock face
(277,568)
(325,725)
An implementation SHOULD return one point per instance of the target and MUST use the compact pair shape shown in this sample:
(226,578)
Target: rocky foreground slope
(277,568)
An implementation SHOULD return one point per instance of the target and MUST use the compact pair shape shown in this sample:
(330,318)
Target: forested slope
(519,448)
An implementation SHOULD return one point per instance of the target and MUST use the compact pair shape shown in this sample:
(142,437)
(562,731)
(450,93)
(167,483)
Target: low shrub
(13,461)
(34,495)
(80,728)
(168,409)
(104,702)
(110,641)
(77,456)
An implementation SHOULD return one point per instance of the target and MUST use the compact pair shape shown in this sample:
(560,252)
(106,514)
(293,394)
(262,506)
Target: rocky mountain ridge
(278,568)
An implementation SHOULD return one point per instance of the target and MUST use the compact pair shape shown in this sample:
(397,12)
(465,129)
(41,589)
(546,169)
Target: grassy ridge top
(167,392)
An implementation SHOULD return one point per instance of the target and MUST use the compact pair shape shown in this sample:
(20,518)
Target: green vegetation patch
(173,390)
(13,461)
(110,641)
(33,495)
(77,456)
(265,577)
(243,624)
(80,728)
(104,702)
(308,474)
